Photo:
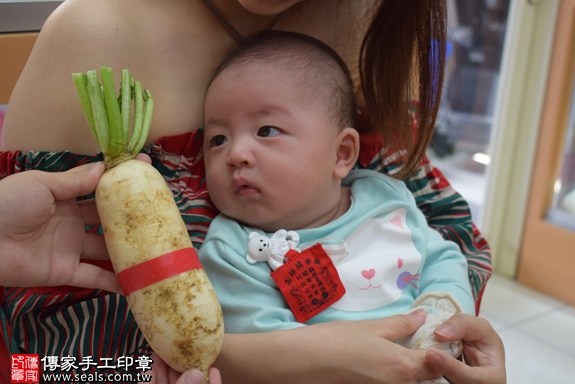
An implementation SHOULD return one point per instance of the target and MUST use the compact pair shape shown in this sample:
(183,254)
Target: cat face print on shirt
(382,261)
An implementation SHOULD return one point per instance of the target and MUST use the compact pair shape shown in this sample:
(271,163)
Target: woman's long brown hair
(402,60)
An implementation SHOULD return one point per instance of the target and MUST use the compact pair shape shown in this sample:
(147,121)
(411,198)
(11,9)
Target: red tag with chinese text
(309,282)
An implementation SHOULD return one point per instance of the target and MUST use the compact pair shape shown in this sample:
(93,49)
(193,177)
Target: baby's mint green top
(393,257)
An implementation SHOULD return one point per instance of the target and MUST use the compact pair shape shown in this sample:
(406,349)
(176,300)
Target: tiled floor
(538,332)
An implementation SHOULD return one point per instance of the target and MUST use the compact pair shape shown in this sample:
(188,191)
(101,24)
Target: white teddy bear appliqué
(272,249)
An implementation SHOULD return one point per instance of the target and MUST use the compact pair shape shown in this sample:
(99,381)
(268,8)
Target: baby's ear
(347,151)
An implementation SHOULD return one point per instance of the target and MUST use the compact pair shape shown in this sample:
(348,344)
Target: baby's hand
(439,307)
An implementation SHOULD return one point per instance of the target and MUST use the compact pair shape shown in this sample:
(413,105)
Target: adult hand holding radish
(42,230)
(162,374)
(166,288)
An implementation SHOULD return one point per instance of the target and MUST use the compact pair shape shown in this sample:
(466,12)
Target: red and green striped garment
(65,321)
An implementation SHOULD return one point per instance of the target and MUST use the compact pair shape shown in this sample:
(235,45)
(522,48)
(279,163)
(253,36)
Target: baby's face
(270,150)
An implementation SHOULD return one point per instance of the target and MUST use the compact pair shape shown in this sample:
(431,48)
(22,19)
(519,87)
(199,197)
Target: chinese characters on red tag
(309,282)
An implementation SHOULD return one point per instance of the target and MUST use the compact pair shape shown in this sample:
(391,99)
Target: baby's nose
(241,155)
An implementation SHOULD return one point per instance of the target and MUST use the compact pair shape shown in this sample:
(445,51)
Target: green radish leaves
(109,114)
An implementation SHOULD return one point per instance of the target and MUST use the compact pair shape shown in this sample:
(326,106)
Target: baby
(341,244)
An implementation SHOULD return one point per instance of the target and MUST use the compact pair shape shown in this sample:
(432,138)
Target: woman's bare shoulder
(95,24)
(43,112)
(83,16)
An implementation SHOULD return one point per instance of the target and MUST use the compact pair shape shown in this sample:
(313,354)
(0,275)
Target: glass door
(547,257)
(562,209)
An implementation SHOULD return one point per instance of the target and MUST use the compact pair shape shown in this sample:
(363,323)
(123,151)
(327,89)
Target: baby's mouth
(243,188)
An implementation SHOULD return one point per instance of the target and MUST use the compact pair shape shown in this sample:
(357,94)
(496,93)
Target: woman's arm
(331,353)
(357,352)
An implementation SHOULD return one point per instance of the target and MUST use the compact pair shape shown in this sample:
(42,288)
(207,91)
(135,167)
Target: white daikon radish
(166,288)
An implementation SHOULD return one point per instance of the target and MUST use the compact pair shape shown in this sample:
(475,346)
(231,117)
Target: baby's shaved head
(314,67)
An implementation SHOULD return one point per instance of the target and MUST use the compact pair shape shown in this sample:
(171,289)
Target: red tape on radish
(157,269)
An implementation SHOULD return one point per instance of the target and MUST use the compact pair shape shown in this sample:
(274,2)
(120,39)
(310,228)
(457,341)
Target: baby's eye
(218,140)
(268,131)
